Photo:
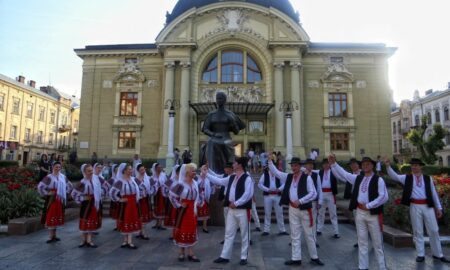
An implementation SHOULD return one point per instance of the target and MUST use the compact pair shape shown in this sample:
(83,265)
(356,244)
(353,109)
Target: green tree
(427,145)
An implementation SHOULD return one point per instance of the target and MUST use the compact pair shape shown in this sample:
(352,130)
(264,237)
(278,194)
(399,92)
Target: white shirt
(363,195)
(313,155)
(224,181)
(378,167)
(293,195)
(273,185)
(418,191)
(326,181)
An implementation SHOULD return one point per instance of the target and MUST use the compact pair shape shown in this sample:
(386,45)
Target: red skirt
(129,220)
(89,216)
(203,212)
(146,213)
(53,213)
(185,231)
(171,216)
(114,210)
(159,211)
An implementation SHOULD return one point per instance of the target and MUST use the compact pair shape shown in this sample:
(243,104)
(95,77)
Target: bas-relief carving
(339,122)
(107,84)
(361,84)
(129,72)
(152,83)
(337,72)
(313,84)
(249,94)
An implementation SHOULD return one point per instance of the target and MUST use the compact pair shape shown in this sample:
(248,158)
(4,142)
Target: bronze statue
(218,125)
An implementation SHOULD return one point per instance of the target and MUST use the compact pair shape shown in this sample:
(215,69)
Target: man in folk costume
(238,197)
(160,199)
(419,193)
(185,197)
(318,201)
(298,194)
(54,188)
(272,188)
(146,190)
(368,197)
(88,193)
(329,192)
(171,209)
(205,190)
(126,192)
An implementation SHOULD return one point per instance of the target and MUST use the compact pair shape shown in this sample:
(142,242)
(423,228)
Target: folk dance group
(180,200)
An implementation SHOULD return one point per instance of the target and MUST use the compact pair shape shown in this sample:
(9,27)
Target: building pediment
(337,72)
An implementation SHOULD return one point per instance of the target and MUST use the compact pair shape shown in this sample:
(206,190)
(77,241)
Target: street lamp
(288,107)
(171,105)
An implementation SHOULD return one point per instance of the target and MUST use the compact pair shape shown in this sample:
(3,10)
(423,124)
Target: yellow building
(34,121)
(258,53)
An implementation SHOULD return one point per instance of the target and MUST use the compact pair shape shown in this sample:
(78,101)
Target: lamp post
(171,105)
(288,107)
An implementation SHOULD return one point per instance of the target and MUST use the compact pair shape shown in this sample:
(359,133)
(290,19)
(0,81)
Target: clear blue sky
(37,37)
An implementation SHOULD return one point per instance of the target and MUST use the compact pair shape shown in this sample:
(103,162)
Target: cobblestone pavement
(269,252)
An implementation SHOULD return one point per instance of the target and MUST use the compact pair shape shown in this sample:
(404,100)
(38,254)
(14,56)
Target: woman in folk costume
(185,196)
(54,187)
(126,192)
(105,187)
(146,189)
(171,215)
(113,206)
(204,187)
(88,193)
(160,199)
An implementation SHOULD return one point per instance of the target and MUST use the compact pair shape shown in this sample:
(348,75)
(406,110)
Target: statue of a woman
(218,125)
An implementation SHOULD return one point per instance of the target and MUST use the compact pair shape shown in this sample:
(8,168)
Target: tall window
(128,104)
(394,128)
(446,116)
(52,117)
(235,67)
(16,106)
(417,120)
(399,127)
(41,113)
(337,104)
(127,140)
(13,132)
(50,138)
(64,119)
(27,135)
(339,141)
(400,144)
(29,109)
(395,146)
(40,134)
(429,118)
(2,102)
(437,116)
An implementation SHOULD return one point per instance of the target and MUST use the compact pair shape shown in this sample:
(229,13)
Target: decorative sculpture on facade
(252,94)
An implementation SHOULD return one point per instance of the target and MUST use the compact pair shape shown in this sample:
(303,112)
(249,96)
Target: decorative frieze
(313,84)
(361,84)
(244,94)
(107,84)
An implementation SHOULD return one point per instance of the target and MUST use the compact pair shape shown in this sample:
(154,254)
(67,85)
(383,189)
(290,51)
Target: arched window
(235,66)
(446,116)
(437,116)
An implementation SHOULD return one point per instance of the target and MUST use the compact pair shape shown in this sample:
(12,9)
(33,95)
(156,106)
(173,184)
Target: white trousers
(236,218)
(369,224)
(273,201)
(299,220)
(421,213)
(315,214)
(328,202)
(225,214)
(255,215)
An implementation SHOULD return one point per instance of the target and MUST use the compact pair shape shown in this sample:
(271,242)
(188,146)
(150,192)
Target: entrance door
(256,146)
(25,158)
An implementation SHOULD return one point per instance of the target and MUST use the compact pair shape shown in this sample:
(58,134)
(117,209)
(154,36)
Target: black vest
(240,189)
(349,189)
(302,190)
(267,182)
(332,180)
(314,178)
(373,194)
(408,188)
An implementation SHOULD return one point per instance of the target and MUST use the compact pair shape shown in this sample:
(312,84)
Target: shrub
(73,173)
(8,163)
(18,195)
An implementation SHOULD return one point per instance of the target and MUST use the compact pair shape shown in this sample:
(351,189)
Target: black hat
(416,161)
(242,161)
(228,165)
(325,160)
(309,161)
(295,160)
(354,160)
(368,159)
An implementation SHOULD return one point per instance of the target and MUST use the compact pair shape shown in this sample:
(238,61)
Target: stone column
(184,105)
(168,95)
(441,114)
(279,98)
(289,136)
(296,100)
(171,132)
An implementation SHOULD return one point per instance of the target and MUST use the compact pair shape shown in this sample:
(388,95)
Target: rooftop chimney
(21,79)
(32,83)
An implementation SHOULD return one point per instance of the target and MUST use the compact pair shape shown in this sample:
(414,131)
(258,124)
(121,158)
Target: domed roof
(184,5)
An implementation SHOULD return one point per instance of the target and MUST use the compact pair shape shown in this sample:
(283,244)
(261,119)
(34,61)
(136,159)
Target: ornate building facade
(258,53)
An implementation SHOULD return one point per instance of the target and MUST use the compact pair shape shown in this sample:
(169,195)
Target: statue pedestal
(216,211)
